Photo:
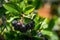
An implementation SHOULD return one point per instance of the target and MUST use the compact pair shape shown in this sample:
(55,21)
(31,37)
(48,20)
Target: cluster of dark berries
(23,27)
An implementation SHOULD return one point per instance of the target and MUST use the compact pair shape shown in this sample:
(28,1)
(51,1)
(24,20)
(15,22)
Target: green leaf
(51,34)
(15,1)
(37,3)
(29,2)
(33,32)
(28,9)
(37,26)
(51,24)
(38,22)
(2,10)
(22,5)
(44,24)
(36,38)
(36,18)
(27,20)
(11,8)
(12,18)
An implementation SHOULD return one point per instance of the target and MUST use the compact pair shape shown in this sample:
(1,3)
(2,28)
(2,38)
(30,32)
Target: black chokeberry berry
(23,28)
(14,23)
(39,34)
(19,26)
(31,25)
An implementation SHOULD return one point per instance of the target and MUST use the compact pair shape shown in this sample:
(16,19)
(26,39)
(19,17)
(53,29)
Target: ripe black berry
(31,25)
(19,26)
(39,34)
(23,28)
(14,23)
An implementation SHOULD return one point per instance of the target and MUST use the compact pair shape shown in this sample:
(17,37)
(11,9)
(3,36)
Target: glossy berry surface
(19,26)
(14,23)
(30,25)
(23,28)
(39,34)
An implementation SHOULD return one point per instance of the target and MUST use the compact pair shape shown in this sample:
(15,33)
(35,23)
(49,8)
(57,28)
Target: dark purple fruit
(31,25)
(39,34)
(23,28)
(19,26)
(14,23)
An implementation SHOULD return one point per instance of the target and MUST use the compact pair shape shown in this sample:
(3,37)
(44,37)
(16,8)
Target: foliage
(25,10)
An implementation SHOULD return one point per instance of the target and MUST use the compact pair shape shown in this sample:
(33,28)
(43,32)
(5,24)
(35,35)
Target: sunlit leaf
(37,4)
(11,8)
(51,24)
(12,18)
(28,9)
(51,34)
